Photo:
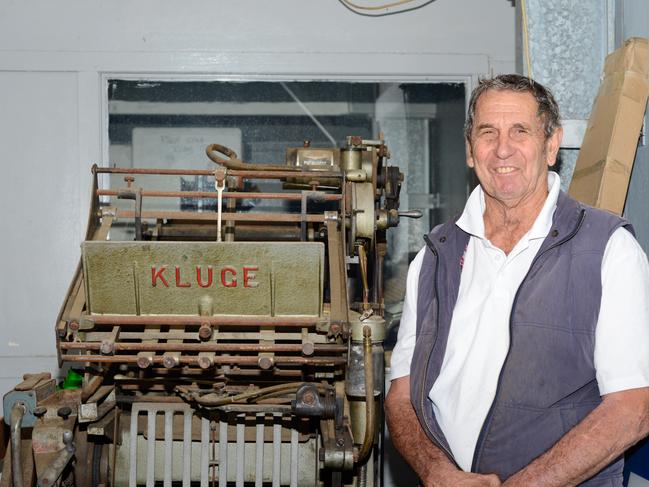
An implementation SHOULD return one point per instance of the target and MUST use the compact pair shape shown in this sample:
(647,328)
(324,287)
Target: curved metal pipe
(17,413)
(370,417)
(233,162)
(212,401)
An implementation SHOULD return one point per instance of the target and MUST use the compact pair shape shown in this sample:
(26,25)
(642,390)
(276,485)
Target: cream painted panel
(203,28)
(39,201)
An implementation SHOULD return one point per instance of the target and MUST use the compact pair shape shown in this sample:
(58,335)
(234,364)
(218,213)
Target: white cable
(526,40)
(376,7)
(366,9)
(309,114)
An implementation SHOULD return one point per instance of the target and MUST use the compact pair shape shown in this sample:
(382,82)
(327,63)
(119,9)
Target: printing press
(224,327)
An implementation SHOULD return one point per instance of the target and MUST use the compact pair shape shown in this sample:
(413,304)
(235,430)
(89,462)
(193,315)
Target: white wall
(53,56)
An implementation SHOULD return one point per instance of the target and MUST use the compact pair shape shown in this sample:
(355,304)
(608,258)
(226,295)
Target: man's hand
(464,479)
(432,465)
(621,420)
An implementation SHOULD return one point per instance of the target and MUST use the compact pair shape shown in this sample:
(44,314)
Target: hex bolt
(144,362)
(169,361)
(308,348)
(205,362)
(205,331)
(340,442)
(107,347)
(308,398)
(64,412)
(265,363)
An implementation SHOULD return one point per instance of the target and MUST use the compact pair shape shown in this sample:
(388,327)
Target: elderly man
(523,352)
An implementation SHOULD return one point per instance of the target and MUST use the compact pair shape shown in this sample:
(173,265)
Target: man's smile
(504,169)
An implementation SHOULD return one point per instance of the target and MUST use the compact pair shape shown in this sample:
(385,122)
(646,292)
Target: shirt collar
(471,220)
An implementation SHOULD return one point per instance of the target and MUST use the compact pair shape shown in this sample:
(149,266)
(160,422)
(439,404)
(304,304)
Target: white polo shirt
(479,336)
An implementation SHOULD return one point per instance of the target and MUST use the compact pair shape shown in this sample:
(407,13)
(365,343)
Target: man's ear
(469,154)
(552,146)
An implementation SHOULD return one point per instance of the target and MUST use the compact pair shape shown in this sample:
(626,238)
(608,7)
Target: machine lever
(219,184)
(54,470)
(411,213)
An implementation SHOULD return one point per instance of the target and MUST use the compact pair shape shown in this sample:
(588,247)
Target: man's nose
(504,147)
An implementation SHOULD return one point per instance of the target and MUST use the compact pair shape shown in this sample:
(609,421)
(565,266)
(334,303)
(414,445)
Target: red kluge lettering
(249,276)
(157,274)
(210,276)
(231,282)
(178,279)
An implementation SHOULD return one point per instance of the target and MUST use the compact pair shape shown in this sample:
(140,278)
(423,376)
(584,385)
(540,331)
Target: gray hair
(548,110)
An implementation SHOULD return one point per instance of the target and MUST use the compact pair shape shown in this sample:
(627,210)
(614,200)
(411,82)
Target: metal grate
(212,462)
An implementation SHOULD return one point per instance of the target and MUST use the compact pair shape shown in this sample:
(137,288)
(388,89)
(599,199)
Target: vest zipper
(423,396)
(484,431)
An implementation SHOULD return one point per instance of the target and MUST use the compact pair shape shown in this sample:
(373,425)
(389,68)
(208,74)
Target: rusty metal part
(233,162)
(136,195)
(363,453)
(205,362)
(183,320)
(265,363)
(362,260)
(212,216)
(247,173)
(91,386)
(245,231)
(338,446)
(52,473)
(214,400)
(308,402)
(211,347)
(337,269)
(309,348)
(170,361)
(193,360)
(143,361)
(319,196)
(31,381)
(205,331)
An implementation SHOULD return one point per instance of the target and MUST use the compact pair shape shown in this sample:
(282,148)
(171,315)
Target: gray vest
(547,383)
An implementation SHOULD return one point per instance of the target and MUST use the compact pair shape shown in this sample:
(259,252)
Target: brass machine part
(233,161)
(364,451)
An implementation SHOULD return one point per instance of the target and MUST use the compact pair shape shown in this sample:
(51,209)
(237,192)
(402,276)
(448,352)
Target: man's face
(508,148)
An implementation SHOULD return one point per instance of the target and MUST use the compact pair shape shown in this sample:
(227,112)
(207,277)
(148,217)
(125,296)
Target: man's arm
(431,464)
(621,420)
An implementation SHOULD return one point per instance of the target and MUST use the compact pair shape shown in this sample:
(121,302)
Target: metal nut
(64,412)
(265,363)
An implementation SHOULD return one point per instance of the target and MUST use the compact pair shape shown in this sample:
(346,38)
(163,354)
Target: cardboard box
(603,168)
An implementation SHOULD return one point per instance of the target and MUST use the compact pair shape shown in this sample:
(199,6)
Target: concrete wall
(55,57)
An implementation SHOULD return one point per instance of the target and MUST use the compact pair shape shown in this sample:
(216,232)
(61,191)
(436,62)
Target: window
(169,123)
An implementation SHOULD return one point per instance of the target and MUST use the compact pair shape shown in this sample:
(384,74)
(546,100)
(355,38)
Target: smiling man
(522,357)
